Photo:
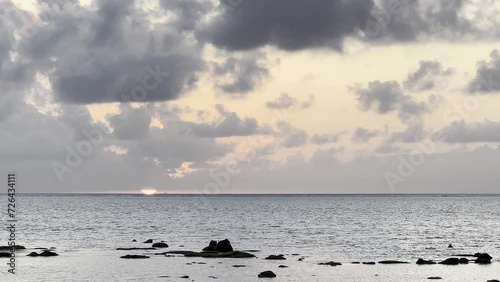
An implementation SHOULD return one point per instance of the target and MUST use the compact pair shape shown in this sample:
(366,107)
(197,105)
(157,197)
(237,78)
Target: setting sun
(148,191)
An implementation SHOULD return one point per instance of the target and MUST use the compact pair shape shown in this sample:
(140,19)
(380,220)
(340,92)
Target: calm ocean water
(86,229)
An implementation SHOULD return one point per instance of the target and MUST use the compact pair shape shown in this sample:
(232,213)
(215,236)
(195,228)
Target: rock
(148,241)
(450,261)
(45,253)
(330,263)
(276,257)
(463,261)
(434,278)
(392,262)
(5,255)
(160,245)
(301,259)
(184,277)
(369,262)
(233,254)
(423,261)
(15,247)
(450,246)
(211,247)
(267,274)
(224,246)
(355,262)
(494,280)
(239,265)
(483,258)
(133,249)
(134,257)
(134,240)
(282,266)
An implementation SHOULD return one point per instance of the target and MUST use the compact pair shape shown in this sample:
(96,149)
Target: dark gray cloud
(426,76)
(462,132)
(239,75)
(487,79)
(130,123)
(363,135)
(388,96)
(108,55)
(414,20)
(383,97)
(287,24)
(187,13)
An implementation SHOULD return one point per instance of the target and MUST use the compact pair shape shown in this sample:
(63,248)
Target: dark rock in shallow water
(267,274)
(132,249)
(45,253)
(450,246)
(239,265)
(369,262)
(434,278)
(233,254)
(224,246)
(134,240)
(15,247)
(494,280)
(355,262)
(276,257)
(450,261)
(392,262)
(282,266)
(330,263)
(160,245)
(134,257)
(211,247)
(5,255)
(423,261)
(483,258)
(463,261)
(184,277)
(148,241)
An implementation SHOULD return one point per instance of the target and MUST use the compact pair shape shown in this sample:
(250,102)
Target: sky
(250,96)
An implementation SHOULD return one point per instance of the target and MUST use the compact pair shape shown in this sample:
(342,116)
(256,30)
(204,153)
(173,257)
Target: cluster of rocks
(480,258)
(44,253)
(223,246)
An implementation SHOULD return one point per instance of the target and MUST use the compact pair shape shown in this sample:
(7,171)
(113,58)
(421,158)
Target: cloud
(229,124)
(115,53)
(487,78)
(284,101)
(320,139)
(388,96)
(414,132)
(363,135)
(296,139)
(130,123)
(462,132)
(426,76)
(287,24)
(383,97)
(240,75)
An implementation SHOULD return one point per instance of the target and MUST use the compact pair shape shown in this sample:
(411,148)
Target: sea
(86,229)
